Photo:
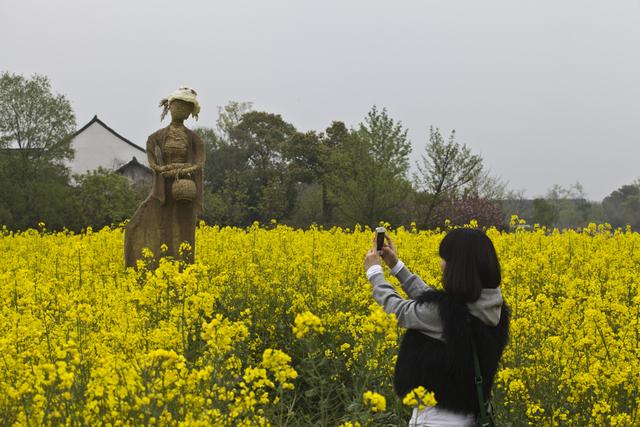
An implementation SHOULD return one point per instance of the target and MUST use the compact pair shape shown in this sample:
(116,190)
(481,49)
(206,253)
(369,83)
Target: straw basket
(184,189)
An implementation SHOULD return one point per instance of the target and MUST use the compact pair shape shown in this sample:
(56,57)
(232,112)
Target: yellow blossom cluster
(307,322)
(277,326)
(376,402)
(419,397)
(277,362)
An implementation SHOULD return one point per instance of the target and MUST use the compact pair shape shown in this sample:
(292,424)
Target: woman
(436,351)
(168,216)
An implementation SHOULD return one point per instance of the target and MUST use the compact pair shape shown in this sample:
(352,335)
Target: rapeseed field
(277,326)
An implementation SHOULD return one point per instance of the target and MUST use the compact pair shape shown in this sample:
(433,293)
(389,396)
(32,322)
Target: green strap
(478,380)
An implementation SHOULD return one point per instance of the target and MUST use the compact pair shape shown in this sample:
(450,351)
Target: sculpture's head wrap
(184,94)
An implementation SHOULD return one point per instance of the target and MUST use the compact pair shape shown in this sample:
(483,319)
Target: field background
(275,325)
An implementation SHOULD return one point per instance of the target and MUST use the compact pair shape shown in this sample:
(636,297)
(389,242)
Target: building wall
(97,147)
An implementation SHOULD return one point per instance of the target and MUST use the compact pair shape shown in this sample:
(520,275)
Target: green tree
(368,178)
(250,172)
(447,170)
(311,165)
(230,116)
(305,154)
(225,180)
(225,173)
(264,139)
(46,197)
(544,213)
(621,207)
(35,121)
(104,198)
(571,207)
(222,153)
(332,141)
(35,130)
(514,202)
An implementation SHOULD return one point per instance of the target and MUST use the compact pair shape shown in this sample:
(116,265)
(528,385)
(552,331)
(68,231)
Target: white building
(97,145)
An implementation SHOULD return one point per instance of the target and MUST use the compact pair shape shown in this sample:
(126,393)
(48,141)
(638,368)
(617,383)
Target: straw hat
(184,94)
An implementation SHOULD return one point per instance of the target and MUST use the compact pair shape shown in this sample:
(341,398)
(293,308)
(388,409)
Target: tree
(304,154)
(250,172)
(514,202)
(263,139)
(230,116)
(448,170)
(570,206)
(311,165)
(34,121)
(544,213)
(621,207)
(222,154)
(368,178)
(35,130)
(104,198)
(225,177)
(487,186)
(332,141)
(44,198)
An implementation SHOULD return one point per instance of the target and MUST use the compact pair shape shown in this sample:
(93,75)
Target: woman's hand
(372,258)
(389,252)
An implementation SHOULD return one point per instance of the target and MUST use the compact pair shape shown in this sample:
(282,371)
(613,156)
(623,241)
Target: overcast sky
(547,91)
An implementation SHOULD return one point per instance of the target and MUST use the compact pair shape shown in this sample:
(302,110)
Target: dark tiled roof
(101,123)
(134,162)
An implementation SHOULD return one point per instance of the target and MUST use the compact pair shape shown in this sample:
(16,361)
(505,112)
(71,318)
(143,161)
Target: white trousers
(432,416)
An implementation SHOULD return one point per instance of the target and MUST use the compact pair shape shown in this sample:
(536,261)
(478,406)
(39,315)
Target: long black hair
(471,264)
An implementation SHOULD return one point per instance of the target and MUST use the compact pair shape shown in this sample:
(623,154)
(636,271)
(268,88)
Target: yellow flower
(534,411)
(257,377)
(420,398)
(277,362)
(221,334)
(84,338)
(374,401)
(305,323)
(599,409)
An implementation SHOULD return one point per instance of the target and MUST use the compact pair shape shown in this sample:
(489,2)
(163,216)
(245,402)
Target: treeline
(564,207)
(260,168)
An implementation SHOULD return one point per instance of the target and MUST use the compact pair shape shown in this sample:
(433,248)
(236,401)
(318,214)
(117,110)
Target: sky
(548,92)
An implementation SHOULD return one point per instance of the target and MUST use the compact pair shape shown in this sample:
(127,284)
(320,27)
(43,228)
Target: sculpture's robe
(161,219)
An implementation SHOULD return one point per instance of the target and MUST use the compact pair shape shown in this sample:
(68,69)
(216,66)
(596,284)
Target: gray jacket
(423,316)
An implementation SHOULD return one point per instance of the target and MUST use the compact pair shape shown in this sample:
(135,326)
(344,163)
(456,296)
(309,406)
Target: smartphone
(380,238)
